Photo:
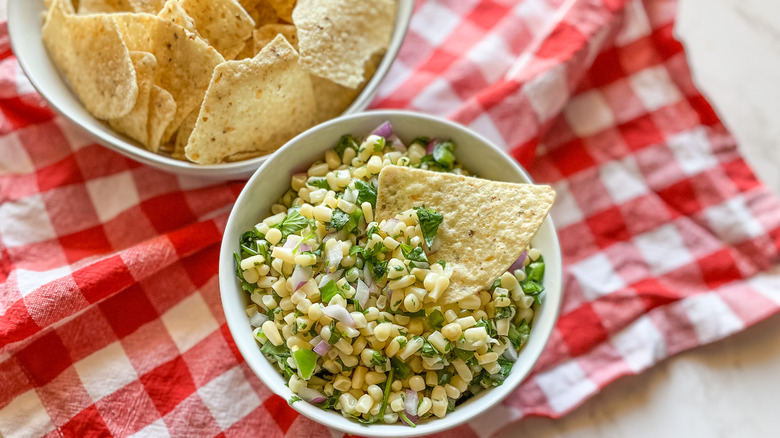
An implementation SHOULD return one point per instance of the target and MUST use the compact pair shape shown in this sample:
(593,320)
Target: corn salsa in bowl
(346,308)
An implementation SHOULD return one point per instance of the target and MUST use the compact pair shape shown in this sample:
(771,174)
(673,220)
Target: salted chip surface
(104,6)
(173,12)
(185,62)
(487,224)
(162,110)
(337,37)
(90,53)
(253,106)
(134,124)
(223,23)
(267,32)
(283,8)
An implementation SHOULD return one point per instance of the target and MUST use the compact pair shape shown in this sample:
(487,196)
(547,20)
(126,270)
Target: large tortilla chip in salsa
(487,224)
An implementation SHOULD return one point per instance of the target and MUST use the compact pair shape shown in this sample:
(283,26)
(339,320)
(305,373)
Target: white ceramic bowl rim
(24,28)
(233,301)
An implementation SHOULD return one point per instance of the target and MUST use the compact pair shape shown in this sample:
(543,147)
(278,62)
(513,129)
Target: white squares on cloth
(732,222)
(588,113)
(565,385)
(112,195)
(640,344)
(25,416)
(636,24)
(158,429)
(492,57)
(25,221)
(14,159)
(565,210)
(663,249)
(435,16)
(654,87)
(485,126)
(623,180)
(437,98)
(28,281)
(711,317)
(189,322)
(105,371)
(228,407)
(597,276)
(692,151)
(548,92)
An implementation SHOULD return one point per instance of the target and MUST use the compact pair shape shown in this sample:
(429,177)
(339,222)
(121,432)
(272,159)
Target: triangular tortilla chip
(261,11)
(147,6)
(487,224)
(134,124)
(223,23)
(91,54)
(283,8)
(183,135)
(173,12)
(104,6)
(184,61)
(337,37)
(332,98)
(162,110)
(254,105)
(267,32)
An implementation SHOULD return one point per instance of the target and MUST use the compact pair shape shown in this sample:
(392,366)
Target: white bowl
(272,180)
(25,19)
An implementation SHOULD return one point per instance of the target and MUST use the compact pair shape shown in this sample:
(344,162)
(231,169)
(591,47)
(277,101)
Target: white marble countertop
(729,388)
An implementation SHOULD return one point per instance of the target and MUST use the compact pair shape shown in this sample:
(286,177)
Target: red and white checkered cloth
(110,322)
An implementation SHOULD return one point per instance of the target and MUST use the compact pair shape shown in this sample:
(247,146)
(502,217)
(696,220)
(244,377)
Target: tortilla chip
(162,110)
(337,37)
(283,8)
(104,6)
(173,12)
(223,23)
(90,53)
(184,61)
(267,32)
(248,51)
(183,135)
(70,7)
(332,98)
(253,105)
(147,6)
(487,224)
(261,11)
(134,123)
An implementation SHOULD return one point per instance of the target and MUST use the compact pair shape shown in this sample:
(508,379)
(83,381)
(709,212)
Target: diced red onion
(292,241)
(413,418)
(322,348)
(257,319)
(518,264)
(311,395)
(333,256)
(339,313)
(510,353)
(410,402)
(431,144)
(334,276)
(384,130)
(300,276)
(390,225)
(397,144)
(389,292)
(361,293)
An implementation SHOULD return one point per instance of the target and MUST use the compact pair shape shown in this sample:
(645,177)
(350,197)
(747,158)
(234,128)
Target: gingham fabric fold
(110,322)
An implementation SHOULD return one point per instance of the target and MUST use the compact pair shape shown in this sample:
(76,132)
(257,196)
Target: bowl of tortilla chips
(205,87)
(494,169)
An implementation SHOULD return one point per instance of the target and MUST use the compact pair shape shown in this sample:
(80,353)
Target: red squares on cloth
(680,199)
(45,358)
(719,268)
(128,310)
(561,42)
(640,132)
(168,212)
(608,227)
(581,329)
(158,384)
(572,157)
(88,423)
(59,174)
(281,412)
(85,243)
(103,278)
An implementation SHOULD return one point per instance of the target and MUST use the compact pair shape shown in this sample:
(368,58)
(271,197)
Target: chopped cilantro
(442,263)
(355,250)
(428,350)
(366,193)
(429,223)
(504,312)
(294,399)
(335,334)
(330,401)
(338,219)
(346,141)
(292,223)
(380,144)
(436,319)
(319,182)
(491,331)
(399,367)
(414,254)
(378,359)
(518,335)
(330,290)
(444,376)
